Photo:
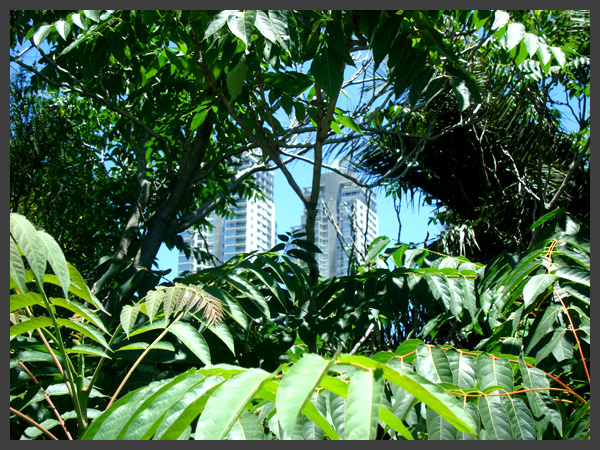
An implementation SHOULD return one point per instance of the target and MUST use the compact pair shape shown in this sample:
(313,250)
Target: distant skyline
(289,209)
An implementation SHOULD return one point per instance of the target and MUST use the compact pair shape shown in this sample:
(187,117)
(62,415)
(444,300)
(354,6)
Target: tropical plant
(507,388)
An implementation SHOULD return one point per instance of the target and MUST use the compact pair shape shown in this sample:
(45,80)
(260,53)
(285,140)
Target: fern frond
(182,297)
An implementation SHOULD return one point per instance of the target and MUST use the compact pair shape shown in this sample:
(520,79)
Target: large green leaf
(146,419)
(327,68)
(30,325)
(235,79)
(538,284)
(432,363)
(241,23)
(520,418)
(494,418)
(81,310)
(128,317)
(540,402)
(110,423)
(226,404)
(438,429)
(248,427)
(218,22)
(576,274)
(463,369)
(57,261)
(297,386)
(192,339)
(426,391)
(17,269)
(250,292)
(30,243)
(362,408)
(494,372)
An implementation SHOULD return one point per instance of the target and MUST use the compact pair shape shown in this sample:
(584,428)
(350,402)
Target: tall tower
(251,228)
(346,223)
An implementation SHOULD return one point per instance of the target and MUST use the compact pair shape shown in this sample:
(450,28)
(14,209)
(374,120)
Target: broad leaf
(520,418)
(327,68)
(362,407)
(57,261)
(226,404)
(297,386)
(241,23)
(494,372)
(494,418)
(17,269)
(30,243)
(128,317)
(432,363)
(192,339)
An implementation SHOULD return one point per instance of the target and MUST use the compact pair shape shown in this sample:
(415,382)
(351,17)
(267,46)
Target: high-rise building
(252,227)
(346,223)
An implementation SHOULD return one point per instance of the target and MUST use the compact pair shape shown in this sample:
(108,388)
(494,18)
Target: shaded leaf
(192,339)
(494,418)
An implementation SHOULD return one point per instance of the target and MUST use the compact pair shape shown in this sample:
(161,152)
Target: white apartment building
(251,228)
(346,222)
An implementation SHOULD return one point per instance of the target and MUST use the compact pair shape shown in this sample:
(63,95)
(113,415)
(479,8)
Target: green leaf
(226,404)
(297,386)
(248,427)
(424,390)
(576,274)
(249,291)
(514,35)
(531,44)
(110,423)
(201,115)
(464,369)
(88,350)
(537,285)
(494,372)
(128,317)
(144,345)
(186,410)
(30,243)
(241,24)
(85,329)
(92,14)
(192,339)
(81,310)
(327,68)
(20,301)
(235,79)
(81,22)
(41,34)
(559,55)
(494,418)
(57,261)
(153,302)
(501,18)
(542,405)
(218,22)
(542,325)
(17,268)
(363,404)
(438,429)
(63,28)
(432,363)
(29,325)
(222,332)
(349,123)
(520,418)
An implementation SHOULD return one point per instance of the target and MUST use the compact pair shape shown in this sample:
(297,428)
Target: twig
(33,422)
(47,397)
(363,339)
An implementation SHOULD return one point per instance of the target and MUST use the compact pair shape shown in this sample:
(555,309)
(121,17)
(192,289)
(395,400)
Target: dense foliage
(128,133)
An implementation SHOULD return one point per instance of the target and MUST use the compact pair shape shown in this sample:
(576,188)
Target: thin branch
(47,398)
(576,161)
(33,422)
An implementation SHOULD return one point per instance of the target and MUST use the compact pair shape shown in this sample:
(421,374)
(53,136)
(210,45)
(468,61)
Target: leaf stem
(33,422)
(140,358)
